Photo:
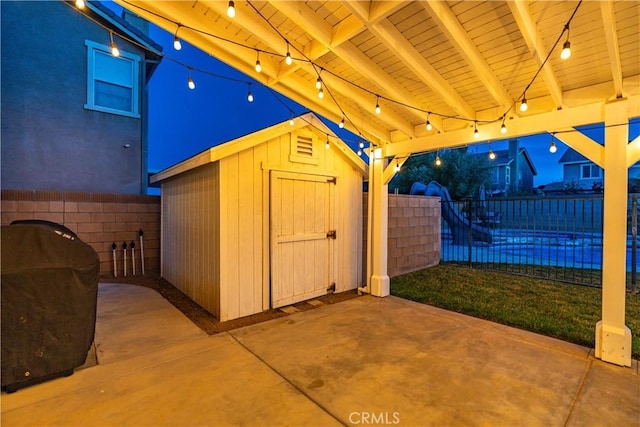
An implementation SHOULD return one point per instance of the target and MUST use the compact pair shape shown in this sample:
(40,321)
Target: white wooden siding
(224,208)
(190,235)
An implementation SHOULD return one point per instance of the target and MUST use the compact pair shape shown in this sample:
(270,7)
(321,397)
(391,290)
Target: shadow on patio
(362,361)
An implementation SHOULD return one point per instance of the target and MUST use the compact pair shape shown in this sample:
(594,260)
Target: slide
(458,223)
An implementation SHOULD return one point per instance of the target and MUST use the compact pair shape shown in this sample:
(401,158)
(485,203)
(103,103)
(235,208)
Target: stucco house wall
(50,141)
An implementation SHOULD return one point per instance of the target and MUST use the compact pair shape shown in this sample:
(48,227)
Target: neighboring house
(512,171)
(74,117)
(581,173)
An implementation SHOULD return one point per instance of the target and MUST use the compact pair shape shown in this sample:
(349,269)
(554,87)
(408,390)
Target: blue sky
(184,122)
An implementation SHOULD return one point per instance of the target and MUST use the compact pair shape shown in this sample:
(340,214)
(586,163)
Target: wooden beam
(611,36)
(526,24)
(583,145)
(458,36)
(556,120)
(633,152)
(322,31)
(393,39)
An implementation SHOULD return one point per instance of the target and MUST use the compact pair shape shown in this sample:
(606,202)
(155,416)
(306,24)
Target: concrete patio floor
(358,362)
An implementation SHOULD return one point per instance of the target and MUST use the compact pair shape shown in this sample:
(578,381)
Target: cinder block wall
(99,219)
(413,233)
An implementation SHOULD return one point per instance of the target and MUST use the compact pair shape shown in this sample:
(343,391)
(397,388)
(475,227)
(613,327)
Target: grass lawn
(559,310)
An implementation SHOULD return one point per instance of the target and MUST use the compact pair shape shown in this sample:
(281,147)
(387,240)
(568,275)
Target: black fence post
(634,238)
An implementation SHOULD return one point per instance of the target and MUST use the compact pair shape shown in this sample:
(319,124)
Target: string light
(476,134)
(258,66)
(552,146)
(492,155)
(326,145)
(231,10)
(566,47)
(176,41)
(503,127)
(341,125)
(319,83)
(359,152)
(429,127)
(438,160)
(291,121)
(361,145)
(190,83)
(114,49)
(320,93)
(288,58)
(397,166)
(80,4)
(250,95)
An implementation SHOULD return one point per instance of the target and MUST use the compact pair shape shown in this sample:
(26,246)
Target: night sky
(184,122)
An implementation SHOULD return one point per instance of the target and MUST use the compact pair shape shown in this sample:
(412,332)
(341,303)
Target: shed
(265,220)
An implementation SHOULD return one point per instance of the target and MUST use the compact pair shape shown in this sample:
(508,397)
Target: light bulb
(378,108)
(492,155)
(326,145)
(341,125)
(566,50)
(503,128)
(397,167)
(114,50)
(429,127)
(359,152)
(361,144)
(476,134)
(250,97)
(231,10)
(319,83)
(438,161)
(292,122)
(176,43)
(258,66)
(320,93)
(191,83)
(552,147)
(288,59)
(523,106)
(80,4)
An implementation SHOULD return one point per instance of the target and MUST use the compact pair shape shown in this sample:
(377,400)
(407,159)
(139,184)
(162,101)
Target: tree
(461,172)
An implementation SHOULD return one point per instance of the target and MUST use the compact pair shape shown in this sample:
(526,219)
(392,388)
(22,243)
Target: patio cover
(460,66)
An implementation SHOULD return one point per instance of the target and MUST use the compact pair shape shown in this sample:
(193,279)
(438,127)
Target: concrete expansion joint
(578,391)
(284,378)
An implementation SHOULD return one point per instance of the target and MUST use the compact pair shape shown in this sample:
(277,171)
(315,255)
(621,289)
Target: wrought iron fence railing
(557,238)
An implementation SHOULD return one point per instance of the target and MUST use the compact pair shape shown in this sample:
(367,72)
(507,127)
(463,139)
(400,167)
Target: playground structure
(462,228)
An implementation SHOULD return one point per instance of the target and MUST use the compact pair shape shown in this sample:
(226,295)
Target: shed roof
(229,148)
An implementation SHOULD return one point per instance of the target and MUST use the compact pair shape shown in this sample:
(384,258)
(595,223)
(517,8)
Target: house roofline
(250,140)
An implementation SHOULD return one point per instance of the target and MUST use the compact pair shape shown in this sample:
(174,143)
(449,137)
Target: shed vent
(304,146)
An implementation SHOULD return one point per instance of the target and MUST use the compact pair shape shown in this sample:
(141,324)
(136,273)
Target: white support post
(613,337)
(379,209)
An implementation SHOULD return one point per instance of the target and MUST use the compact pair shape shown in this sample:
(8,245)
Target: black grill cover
(48,297)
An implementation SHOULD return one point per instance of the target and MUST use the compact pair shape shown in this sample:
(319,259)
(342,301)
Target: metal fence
(558,238)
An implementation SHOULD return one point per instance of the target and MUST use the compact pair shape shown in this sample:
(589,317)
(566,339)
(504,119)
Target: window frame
(592,167)
(92,48)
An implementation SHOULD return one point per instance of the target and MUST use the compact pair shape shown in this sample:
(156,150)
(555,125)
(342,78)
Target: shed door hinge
(331,234)
(332,288)
(333,180)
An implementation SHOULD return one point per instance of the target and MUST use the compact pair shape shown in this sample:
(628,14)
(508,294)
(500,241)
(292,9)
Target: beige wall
(98,219)
(413,233)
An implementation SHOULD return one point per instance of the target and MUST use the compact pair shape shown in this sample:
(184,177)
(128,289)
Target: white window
(590,172)
(112,82)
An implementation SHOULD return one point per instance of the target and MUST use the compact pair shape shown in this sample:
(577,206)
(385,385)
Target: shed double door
(302,261)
